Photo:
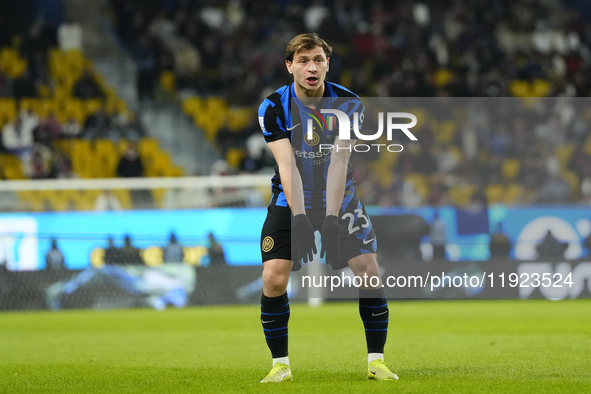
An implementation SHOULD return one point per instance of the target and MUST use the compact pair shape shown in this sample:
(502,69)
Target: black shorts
(361,238)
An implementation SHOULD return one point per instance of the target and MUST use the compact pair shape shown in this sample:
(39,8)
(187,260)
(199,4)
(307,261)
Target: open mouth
(312,80)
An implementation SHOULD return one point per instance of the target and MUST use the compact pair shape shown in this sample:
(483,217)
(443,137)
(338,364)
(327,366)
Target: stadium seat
(573,182)
(421,184)
(168,81)
(158,196)
(563,154)
(93,105)
(192,105)
(12,64)
(510,169)
(64,200)
(177,171)
(511,193)
(525,89)
(124,198)
(8,110)
(421,116)
(11,166)
(442,77)
(104,146)
(31,199)
(494,193)
(234,156)
(461,195)
(27,104)
(238,118)
(47,107)
(443,132)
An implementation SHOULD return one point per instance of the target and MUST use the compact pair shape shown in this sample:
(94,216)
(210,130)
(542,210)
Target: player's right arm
(291,181)
(277,138)
(276,135)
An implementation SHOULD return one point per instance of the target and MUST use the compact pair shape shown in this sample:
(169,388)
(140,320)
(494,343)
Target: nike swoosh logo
(293,127)
(377,314)
(374,372)
(366,241)
(282,375)
(265,322)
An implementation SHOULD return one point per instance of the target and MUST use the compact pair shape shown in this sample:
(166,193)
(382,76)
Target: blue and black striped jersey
(282,115)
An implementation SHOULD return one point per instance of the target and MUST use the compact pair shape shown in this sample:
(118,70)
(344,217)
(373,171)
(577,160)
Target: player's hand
(302,233)
(331,239)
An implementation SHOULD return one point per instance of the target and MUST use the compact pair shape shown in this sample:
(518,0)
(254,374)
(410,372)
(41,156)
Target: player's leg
(276,256)
(374,312)
(275,317)
(373,305)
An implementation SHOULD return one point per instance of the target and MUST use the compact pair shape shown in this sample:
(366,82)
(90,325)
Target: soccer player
(313,189)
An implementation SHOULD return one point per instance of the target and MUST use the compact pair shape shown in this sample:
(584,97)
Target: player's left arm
(336,179)
(335,191)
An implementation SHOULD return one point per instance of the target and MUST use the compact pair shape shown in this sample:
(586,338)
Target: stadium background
(130,142)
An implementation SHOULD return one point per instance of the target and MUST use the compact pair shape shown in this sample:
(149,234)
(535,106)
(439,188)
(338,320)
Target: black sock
(373,308)
(274,317)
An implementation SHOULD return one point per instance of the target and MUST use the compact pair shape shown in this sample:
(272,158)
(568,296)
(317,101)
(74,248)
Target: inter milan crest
(268,244)
(314,140)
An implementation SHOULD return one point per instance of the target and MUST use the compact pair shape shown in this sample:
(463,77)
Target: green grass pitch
(436,346)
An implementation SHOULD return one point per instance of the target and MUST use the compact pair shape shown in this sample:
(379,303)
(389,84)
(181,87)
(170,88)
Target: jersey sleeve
(271,125)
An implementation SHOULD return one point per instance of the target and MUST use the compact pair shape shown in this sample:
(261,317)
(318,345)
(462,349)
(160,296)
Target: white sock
(284,360)
(375,356)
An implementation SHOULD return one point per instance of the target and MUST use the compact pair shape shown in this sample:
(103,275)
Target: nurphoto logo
(345,127)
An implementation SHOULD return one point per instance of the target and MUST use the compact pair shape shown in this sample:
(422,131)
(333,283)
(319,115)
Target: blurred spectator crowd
(448,48)
(503,150)
(49,93)
(410,48)
(234,50)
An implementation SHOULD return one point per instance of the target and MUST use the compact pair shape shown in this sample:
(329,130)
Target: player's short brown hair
(307,42)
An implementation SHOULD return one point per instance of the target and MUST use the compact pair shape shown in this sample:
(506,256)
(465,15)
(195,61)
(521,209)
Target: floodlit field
(451,346)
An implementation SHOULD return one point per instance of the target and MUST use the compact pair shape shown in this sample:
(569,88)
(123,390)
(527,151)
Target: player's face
(309,69)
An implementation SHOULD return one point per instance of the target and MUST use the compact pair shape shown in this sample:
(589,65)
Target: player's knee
(365,265)
(275,278)
(370,270)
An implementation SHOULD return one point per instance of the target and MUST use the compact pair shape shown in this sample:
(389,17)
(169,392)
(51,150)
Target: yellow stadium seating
(563,154)
(168,82)
(511,193)
(12,64)
(124,198)
(461,195)
(510,169)
(30,199)
(443,132)
(8,111)
(158,196)
(234,156)
(11,166)
(573,182)
(494,193)
(442,77)
(421,184)
(93,105)
(537,88)
(211,113)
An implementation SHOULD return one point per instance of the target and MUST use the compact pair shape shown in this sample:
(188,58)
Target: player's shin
(373,308)
(274,317)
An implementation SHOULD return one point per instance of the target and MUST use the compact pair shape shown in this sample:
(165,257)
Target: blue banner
(26,238)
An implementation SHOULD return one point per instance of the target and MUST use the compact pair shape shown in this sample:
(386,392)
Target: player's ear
(327,64)
(288,65)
